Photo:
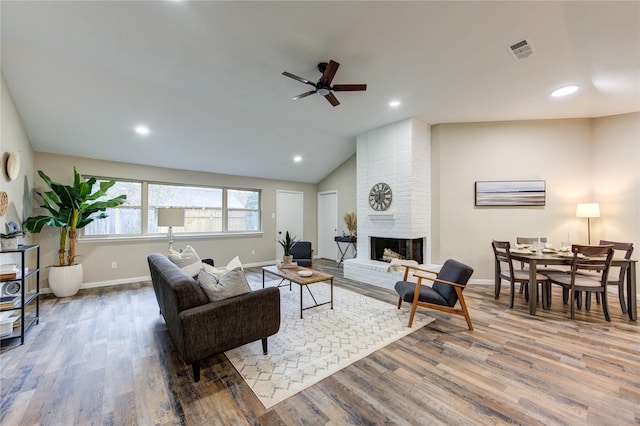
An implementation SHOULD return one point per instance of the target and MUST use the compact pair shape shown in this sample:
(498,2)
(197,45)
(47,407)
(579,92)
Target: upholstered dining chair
(302,253)
(443,295)
(616,273)
(589,273)
(506,271)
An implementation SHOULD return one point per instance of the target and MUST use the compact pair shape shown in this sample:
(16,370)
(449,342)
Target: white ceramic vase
(9,243)
(65,281)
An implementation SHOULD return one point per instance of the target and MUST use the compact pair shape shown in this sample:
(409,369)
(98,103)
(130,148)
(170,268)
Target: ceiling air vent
(521,49)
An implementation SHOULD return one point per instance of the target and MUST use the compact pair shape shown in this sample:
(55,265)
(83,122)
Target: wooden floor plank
(115,364)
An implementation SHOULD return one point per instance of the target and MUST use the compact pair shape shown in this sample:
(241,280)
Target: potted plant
(351,221)
(70,207)
(9,239)
(287,243)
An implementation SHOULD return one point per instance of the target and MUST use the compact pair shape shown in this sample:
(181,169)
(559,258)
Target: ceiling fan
(323,87)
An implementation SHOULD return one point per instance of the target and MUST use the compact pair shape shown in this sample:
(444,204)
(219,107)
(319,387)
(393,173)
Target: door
(289,216)
(327,224)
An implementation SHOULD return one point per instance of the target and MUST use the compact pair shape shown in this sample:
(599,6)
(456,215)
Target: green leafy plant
(287,242)
(71,207)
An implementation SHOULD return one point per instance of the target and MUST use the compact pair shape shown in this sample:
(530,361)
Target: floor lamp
(169,216)
(588,210)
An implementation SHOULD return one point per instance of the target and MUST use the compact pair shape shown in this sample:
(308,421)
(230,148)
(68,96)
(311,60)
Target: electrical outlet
(114,265)
(253,252)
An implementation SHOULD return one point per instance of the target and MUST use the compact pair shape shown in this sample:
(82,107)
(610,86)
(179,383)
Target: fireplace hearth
(410,249)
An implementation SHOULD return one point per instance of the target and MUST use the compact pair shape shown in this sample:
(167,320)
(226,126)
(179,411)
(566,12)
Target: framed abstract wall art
(510,193)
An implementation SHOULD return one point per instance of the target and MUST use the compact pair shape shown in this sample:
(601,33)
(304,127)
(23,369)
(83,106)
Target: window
(203,207)
(206,209)
(243,210)
(126,219)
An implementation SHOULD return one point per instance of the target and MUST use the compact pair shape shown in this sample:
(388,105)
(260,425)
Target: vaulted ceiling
(206,77)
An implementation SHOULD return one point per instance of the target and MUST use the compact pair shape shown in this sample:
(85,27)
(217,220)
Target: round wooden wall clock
(380,196)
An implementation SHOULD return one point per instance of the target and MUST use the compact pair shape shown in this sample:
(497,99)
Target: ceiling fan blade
(332,99)
(330,72)
(303,95)
(300,79)
(349,87)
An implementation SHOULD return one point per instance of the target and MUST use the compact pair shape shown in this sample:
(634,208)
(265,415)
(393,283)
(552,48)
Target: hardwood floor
(104,357)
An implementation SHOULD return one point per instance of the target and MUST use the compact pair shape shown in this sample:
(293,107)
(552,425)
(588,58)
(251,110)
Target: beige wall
(342,180)
(570,155)
(616,178)
(14,138)
(131,255)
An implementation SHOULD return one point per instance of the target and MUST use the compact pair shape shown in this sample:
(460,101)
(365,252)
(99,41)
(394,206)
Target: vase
(9,243)
(287,260)
(65,281)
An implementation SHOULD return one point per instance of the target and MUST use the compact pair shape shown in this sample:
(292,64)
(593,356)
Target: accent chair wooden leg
(196,371)
(264,346)
(463,305)
(399,302)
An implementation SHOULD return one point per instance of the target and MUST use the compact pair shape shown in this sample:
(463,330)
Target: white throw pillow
(233,264)
(220,287)
(187,260)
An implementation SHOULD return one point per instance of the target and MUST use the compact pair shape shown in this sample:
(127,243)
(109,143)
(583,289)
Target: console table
(350,242)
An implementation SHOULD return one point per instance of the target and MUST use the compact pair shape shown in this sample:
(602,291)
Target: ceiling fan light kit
(323,85)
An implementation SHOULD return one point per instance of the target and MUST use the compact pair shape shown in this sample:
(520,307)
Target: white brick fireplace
(399,155)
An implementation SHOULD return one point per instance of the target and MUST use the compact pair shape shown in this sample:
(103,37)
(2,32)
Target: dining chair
(616,273)
(589,273)
(506,271)
(544,269)
(443,295)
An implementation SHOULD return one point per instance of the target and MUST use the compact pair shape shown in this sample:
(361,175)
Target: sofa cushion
(187,260)
(220,287)
(233,264)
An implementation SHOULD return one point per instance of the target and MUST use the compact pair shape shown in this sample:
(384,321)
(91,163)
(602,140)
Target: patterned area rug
(306,351)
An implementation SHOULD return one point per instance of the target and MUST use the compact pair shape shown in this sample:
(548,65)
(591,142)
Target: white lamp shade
(170,217)
(588,210)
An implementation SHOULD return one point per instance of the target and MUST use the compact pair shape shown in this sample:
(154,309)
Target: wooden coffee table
(291,274)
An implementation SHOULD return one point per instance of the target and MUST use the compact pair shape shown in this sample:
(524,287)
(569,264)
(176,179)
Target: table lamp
(588,210)
(170,216)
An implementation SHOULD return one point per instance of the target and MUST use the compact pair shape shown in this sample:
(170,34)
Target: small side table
(350,242)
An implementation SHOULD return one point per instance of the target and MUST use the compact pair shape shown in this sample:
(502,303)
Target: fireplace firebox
(405,248)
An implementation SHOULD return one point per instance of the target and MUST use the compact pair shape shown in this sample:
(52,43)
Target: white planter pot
(65,281)
(287,260)
(9,243)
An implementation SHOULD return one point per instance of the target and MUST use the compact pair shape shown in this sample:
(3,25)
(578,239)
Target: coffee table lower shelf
(291,274)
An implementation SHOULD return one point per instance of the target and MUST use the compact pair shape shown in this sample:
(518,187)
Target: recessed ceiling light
(394,104)
(297,158)
(564,91)
(142,130)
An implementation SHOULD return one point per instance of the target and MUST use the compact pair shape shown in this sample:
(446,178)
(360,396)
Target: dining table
(533,259)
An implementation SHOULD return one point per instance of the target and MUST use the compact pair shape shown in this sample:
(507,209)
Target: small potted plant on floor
(287,242)
(70,207)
